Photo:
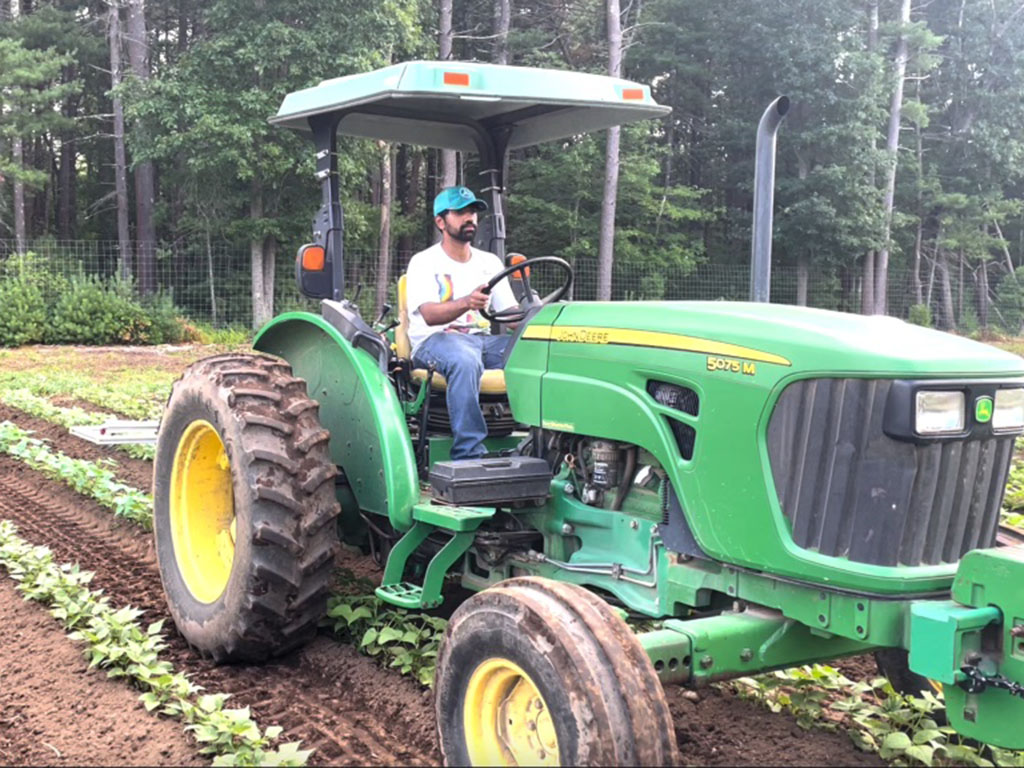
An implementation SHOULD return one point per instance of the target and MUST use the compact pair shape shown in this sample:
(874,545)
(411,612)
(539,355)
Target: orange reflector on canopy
(633,93)
(456,78)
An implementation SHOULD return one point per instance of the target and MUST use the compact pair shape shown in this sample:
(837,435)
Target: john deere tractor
(771,485)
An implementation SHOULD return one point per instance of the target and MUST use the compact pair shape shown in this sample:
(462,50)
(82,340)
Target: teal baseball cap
(455,199)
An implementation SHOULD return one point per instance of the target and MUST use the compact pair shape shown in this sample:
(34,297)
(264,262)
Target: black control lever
(384,312)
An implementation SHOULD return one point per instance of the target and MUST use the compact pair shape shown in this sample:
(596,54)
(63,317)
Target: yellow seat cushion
(491,383)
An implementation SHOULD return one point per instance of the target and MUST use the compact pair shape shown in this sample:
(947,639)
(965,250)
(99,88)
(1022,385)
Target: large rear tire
(244,508)
(538,672)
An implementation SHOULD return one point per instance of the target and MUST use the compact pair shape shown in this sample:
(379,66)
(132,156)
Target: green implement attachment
(974,645)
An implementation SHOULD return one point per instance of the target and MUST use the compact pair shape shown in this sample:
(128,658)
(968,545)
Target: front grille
(848,490)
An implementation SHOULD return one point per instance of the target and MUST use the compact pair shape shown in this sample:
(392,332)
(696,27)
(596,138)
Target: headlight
(941,413)
(1009,410)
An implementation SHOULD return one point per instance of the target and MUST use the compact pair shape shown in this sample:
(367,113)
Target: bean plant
(41,407)
(91,478)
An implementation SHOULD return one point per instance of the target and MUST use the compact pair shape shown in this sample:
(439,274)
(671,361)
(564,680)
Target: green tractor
(775,485)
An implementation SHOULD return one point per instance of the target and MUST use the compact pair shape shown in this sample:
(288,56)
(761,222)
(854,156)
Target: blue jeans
(461,358)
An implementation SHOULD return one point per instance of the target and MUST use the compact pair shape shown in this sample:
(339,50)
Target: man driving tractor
(446,291)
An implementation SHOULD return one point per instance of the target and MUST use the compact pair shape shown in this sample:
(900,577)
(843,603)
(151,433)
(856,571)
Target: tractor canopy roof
(447,104)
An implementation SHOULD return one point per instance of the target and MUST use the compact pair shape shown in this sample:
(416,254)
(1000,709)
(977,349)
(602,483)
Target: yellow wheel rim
(202,512)
(506,720)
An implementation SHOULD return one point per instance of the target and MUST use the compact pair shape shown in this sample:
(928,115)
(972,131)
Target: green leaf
(863,740)
(894,744)
(926,734)
(920,752)
(368,637)
(389,635)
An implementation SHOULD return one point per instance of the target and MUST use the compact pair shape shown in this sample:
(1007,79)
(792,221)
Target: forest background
(135,153)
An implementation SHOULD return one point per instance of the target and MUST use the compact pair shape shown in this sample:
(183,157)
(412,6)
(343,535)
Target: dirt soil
(352,712)
(54,712)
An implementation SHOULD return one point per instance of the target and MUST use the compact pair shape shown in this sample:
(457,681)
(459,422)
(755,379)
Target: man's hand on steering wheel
(530,300)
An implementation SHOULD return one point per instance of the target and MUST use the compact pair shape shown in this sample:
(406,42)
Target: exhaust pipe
(764,198)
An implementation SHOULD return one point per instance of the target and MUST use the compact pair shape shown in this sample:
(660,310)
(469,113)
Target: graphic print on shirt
(445,287)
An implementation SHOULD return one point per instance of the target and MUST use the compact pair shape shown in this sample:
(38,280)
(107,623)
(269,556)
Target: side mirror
(313,272)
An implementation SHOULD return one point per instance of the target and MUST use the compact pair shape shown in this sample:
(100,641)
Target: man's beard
(463,234)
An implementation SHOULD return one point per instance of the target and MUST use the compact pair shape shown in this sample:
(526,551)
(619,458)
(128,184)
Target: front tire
(244,508)
(538,672)
(894,665)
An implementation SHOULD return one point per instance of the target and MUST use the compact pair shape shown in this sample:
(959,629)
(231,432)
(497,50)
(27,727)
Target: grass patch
(140,395)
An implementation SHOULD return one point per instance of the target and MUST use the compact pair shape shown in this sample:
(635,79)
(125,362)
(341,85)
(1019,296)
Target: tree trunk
(269,271)
(1006,251)
(403,162)
(432,178)
(931,282)
(384,248)
(915,272)
(892,144)
(214,320)
(802,274)
(18,158)
(502,21)
(67,175)
(948,321)
(867,292)
(407,190)
(867,289)
(803,163)
(124,242)
(960,291)
(145,185)
(606,244)
(260,313)
(982,285)
(445,39)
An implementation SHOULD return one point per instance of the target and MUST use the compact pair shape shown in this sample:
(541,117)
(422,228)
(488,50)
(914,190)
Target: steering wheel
(530,300)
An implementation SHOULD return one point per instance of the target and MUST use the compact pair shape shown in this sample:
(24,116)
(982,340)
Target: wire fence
(211,283)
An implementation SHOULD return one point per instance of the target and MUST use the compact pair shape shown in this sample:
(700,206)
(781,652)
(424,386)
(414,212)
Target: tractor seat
(491,383)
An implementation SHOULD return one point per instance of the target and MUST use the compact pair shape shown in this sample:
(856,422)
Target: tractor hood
(807,340)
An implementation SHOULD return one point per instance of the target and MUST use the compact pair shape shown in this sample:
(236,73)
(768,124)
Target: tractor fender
(369,440)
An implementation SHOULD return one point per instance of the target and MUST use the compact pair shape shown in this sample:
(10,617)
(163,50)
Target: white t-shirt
(434,276)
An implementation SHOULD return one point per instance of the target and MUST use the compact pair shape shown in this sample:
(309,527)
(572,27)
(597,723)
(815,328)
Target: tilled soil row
(342,704)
